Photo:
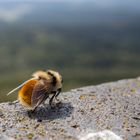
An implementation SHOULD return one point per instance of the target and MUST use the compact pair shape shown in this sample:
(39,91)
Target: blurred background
(87,41)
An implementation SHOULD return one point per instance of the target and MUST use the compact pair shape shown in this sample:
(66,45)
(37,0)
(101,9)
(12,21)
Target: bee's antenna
(20,86)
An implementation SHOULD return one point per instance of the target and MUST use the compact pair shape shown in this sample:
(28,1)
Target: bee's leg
(34,109)
(16,101)
(51,100)
(45,100)
(56,95)
(31,113)
(40,102)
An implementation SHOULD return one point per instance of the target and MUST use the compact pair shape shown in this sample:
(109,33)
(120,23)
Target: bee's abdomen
(25,93)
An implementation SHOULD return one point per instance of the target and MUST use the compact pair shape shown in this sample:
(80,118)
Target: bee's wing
(20,86)
(40,93)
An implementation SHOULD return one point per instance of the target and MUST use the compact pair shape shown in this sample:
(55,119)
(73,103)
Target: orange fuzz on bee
(36,90)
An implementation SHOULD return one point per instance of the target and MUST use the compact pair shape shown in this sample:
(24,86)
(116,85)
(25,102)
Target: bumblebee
(36,90)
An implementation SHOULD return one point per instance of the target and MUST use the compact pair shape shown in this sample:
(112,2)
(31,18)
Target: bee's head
(57,79)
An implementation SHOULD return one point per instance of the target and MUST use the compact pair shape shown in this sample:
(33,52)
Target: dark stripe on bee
(53,78)
(54,81)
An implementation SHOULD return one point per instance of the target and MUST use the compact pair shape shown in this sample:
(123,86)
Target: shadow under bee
(61,110)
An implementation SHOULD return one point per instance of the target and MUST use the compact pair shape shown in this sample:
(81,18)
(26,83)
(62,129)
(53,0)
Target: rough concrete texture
(113,106)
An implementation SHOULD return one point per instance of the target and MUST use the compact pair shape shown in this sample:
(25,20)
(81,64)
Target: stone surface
(112,106)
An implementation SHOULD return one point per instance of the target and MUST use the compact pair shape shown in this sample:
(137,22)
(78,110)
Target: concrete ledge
(112,106)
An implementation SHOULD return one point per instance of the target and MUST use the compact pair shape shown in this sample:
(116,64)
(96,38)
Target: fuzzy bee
(36,90)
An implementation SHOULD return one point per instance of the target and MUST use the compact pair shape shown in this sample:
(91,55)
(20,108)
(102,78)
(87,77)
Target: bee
(36,90)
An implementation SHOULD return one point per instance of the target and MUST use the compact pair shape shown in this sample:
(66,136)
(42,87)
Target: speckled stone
(114,106)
